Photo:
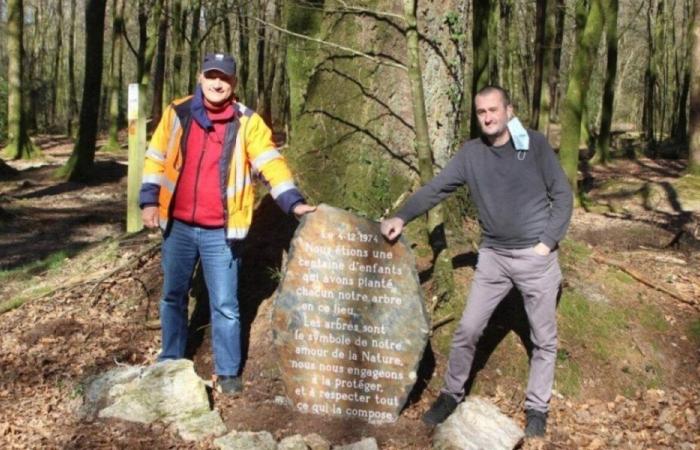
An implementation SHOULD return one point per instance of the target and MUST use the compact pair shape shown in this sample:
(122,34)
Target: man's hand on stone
(542,250)
(301,209)
(391,228)
(149,215)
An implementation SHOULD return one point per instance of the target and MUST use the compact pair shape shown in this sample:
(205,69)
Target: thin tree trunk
(610,11)
(540,50)
(72,91)
(178,41)
(548,75)
(56,63)
(159,73)
(254,29)
(114,79)
(680,132)
(480,64)
(80,165)
(442,273)
(694,131)
(555,77)
(194,44)
(19,146)
(579,79)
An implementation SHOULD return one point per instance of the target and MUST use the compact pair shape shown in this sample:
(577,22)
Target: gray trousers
(538,279)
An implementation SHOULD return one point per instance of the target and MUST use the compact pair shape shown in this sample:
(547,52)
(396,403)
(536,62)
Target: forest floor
(78,297)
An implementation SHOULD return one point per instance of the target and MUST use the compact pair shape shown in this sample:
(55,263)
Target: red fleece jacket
(198,199)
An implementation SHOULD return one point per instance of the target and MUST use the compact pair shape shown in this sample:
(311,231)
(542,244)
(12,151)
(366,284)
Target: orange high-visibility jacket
(247,149)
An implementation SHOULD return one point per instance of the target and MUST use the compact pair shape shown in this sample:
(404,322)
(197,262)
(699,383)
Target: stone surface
(349,322)
(168,391)
(364,444)
(295,442)
(316,442)
(96,394)
(246,440)
(477,424)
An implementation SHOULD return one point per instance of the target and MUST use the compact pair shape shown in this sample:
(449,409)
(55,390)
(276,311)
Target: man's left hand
(542,250)
(301,209)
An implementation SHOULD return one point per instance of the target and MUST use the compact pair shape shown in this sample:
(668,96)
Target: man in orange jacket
(197,187)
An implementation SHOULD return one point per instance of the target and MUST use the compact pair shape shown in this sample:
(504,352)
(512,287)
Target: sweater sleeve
(560,196)
(446,182)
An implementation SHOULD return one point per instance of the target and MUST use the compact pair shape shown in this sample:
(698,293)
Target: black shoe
(441,410)
(229,385)
(536,423)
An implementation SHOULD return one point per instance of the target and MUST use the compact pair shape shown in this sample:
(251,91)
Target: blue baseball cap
(219,61)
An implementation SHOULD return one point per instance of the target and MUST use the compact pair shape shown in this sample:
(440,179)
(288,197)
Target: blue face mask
(521,140)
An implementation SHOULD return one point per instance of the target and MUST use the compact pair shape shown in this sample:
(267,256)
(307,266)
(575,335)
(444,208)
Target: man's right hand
(149,215)
(391,228)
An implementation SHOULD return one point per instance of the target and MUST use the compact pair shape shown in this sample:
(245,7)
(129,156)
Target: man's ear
(509,111)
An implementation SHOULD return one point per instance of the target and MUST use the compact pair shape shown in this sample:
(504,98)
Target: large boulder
(169,391)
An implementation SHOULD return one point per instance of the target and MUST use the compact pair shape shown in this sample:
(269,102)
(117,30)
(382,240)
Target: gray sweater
(520,202)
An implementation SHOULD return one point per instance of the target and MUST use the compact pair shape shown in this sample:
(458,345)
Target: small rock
(316,442)
(246,440)
(295,442)
(668,428)
(364,444)
(477,424)
(596,444)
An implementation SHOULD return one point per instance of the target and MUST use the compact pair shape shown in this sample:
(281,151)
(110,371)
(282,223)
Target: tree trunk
(694,128)
(19,146)
(194,44)
(680,132)
(56,64)
(159,73)
(178,45)
(80,165)
(254,29)
(442,273)
(579,79)
(540,50)
(548,75)
(480,45)
(558,38)
(72,91)
(114,79)
(610,10)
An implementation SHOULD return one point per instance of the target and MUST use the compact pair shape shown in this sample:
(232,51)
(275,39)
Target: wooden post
(137,145)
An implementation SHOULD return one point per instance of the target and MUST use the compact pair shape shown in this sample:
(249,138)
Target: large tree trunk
(680,132)
(694,129)
(442,273)
(574,103)
(610,10)
(19,146)
(80,165)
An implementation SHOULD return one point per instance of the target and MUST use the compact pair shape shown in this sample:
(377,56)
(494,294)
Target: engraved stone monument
(349,322)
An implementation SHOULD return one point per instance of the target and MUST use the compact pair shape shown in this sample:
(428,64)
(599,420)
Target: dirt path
(96,310)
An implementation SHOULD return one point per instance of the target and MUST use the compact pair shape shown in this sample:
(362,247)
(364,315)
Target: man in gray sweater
(524,202)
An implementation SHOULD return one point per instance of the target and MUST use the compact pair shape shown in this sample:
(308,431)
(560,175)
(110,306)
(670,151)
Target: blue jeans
(182,246)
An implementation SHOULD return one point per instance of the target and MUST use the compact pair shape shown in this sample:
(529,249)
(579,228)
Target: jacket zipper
(199,169)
